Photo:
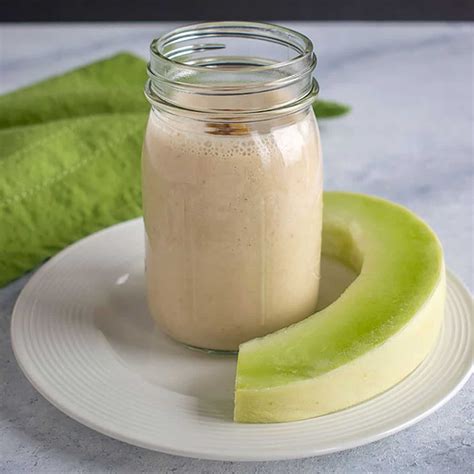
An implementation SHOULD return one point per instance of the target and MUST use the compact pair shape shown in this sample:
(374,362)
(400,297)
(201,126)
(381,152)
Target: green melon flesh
(370,338)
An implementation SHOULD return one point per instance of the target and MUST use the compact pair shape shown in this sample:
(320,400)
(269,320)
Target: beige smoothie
(233,227)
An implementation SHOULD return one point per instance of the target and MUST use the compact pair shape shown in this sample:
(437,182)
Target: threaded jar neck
(234,70)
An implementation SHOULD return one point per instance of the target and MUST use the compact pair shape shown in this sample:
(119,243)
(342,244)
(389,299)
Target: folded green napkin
(70,158)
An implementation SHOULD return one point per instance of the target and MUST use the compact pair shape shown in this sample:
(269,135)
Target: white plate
(82,335)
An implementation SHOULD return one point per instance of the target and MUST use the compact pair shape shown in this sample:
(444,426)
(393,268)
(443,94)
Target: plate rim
(196,453)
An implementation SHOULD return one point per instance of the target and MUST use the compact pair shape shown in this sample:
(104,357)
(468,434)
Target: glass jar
(232,182)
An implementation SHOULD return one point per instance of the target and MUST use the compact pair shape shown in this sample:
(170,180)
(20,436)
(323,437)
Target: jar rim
(234,28)
(182,63)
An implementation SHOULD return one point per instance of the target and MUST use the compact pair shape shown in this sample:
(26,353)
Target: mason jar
(232,182)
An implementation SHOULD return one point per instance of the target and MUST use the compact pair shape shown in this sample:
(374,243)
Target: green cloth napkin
(70,158)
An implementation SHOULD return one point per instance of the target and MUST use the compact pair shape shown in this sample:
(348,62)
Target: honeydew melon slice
(370,338)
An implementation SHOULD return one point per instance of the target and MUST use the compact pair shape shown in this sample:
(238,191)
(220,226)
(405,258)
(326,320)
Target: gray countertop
(408,138)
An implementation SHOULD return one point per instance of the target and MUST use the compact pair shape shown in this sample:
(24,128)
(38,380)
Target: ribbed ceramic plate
(82,335)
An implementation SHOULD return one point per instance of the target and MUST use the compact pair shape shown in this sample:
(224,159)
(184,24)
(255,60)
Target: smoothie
(233,227)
